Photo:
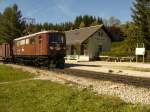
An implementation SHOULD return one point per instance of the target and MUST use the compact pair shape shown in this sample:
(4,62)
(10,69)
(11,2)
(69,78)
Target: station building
(87,43)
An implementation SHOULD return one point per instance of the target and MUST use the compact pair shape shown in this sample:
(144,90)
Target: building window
(100,34)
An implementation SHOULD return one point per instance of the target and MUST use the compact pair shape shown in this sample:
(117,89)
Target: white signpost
(140,52)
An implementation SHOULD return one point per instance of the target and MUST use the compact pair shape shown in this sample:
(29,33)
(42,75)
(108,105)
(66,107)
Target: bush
(118,49)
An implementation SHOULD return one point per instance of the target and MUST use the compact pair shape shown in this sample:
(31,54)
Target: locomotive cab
(57,44)
(57,48)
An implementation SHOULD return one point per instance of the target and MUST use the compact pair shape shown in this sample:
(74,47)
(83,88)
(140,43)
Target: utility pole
(29,22)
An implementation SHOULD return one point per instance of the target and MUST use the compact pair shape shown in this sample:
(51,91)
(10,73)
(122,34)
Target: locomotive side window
(27,41)
(32,41)
(22,42)
(18,43)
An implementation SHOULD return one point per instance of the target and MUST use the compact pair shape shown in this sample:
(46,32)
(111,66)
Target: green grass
(11,74)
(46,96)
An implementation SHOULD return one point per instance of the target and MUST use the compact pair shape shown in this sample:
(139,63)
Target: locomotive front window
(56,38)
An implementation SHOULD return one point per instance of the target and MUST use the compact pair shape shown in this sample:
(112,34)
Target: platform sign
(140,51)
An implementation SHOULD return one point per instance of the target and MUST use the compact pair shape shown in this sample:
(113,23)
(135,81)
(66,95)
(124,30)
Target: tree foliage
(79,22)
(133,35)
(113,25)
(82,24)
(112,21)
(137,31)
(11,24)
(141,18)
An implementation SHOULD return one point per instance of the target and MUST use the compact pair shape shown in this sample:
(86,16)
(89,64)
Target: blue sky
(57,11)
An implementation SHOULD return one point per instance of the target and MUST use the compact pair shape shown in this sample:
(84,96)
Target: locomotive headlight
(51,48)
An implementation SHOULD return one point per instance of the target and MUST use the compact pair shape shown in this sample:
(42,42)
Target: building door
(82,49)
(99,51)
(72,50)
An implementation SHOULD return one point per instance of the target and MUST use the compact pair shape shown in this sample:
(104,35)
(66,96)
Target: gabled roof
(78,36)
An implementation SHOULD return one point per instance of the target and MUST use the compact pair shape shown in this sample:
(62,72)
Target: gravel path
(128,93)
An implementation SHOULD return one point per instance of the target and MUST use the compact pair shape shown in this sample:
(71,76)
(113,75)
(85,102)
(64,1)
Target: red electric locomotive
(42,48)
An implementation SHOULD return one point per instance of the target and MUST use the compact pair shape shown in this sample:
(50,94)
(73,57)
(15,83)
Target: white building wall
(106,42)
(100,38)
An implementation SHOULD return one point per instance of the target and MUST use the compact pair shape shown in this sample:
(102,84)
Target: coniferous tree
(80,21)
(99,21)
(82,24)
(77,21)
(141,17)
(46,26)
(94,23)
(11,25)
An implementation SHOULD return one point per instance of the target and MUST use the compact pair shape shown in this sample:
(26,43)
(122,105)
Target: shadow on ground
(68,65)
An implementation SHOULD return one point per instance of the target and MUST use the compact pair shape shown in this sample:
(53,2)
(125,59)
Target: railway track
(130,80)
(123,79)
